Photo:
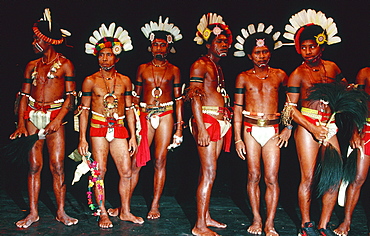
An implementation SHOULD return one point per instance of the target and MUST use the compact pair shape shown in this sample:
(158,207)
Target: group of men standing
(111,100)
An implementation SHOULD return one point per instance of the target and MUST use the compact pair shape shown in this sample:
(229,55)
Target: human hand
(283,137)
(19,132)
(132,146)
(83,147)
(240,149)
(203,138)
(355,141)
(320,133)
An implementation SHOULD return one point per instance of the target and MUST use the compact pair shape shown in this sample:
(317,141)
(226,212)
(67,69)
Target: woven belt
(156,109)
(261,122)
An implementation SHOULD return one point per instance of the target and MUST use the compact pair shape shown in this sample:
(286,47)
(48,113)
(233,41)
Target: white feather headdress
(251,29)
(309,17)
(150,28)
(203,32)
(117,39)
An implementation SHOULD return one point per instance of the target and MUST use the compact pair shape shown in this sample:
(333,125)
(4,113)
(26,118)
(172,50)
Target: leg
(55,143)
(208,160)
(271,160)
(99,148)
(307,150)
(34,181)
(329,199)
(122,159)
(353,194)
(254,176)
(162,137)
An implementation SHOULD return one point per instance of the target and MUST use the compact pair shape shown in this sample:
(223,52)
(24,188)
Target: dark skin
(120,149)
(164,76)
(261,95)
(208,151)
(45,93)
(307,135)
(363,164)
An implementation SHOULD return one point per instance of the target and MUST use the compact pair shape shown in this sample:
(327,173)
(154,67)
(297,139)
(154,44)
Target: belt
(261,122)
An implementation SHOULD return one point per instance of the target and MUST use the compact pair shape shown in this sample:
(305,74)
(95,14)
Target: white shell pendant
(154,121)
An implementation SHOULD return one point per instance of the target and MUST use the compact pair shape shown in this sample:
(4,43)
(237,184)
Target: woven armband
(239,90)
(27,81)
(177,85)
(196,79)
(87,94)
(294,89)
(69,78)
(339,77)
(287,114)
(74,93)
(236,104)
(138,83)
(128,93)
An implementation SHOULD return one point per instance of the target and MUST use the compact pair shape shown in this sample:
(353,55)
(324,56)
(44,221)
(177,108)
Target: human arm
(130,118)
(287,130)
(238,117)
(177,91)
(138,86)
(87,87)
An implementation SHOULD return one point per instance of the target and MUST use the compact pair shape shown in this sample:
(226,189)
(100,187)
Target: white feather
(245,33)
(239,53)
(269,29)
(93,40)
(278,44)
(240,39)
(276,35)
(289,36)
(290,29)
(332,30)
(97,35)
(294,23)
(239,46)
(127,47)
(333,40)
(118,32)
(260,27)
(178,37)
(112,26)
(251,29)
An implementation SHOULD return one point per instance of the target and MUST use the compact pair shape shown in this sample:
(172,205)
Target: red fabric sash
(214,131)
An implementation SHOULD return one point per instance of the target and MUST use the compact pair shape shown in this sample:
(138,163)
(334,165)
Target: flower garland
(96,180)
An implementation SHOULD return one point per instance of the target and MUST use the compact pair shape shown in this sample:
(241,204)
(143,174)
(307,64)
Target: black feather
(350,166)
(17,150)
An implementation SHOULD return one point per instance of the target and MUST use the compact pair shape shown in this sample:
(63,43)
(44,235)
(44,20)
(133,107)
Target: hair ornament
(309,17)
(117,39)
(53,34)
(203,29)
(149,30)
(259,42)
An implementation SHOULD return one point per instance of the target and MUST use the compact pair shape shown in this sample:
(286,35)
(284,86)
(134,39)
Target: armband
(287,114)
(138,83)
(339,77)
(239,90)
(177,85)
(294,89)
(128,93)
(24,94)
(130,107)
(178,98)
(236,104)
(74,93)
(69,78)
(27,81)
(290,127)
(88,94)
(196,79)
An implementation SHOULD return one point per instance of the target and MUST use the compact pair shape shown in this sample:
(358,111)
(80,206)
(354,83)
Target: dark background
(81,18)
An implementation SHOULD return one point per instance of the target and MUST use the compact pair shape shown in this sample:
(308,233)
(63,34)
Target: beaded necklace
(110,101)
(157,91)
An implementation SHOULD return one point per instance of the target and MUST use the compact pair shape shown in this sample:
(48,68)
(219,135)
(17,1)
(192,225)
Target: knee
(271,181)
(160,163)
(57,169)
(359,181)
(254,177)
(35,168)
(209,173)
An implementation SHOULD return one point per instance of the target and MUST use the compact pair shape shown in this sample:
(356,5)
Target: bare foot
(26,222)
(66,219)
(203,232)
(255,228)
(153,214)
(104,221)
(271,232)
(214,223)
(130,217)
(114,211)
(342,229)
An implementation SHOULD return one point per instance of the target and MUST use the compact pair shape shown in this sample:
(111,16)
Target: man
(158,83)
(45,99)
(363,161)
(257,91)
(310,37)
(211,127)
(109,95)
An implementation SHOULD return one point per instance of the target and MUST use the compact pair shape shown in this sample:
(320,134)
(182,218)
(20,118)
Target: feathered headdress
(211,23)
(117,39)
(252,37)
(48,31)
(305,18)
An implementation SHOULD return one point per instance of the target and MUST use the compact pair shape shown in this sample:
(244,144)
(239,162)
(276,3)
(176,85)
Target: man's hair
(250,42)
(309,32)
(225,31)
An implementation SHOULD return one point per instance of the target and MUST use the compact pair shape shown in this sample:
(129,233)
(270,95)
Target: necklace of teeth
(50,75)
